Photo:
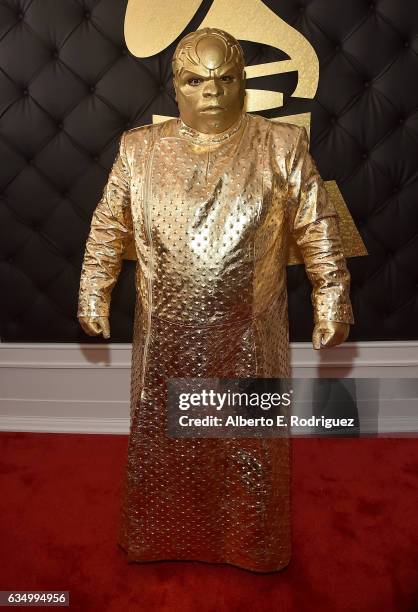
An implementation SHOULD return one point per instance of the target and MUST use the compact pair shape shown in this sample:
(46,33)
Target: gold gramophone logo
(150,27)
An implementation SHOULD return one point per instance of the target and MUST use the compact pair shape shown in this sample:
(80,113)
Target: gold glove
(329,333)
(93,326)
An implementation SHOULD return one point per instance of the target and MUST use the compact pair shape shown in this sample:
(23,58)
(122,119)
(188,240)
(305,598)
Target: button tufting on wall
(58,98)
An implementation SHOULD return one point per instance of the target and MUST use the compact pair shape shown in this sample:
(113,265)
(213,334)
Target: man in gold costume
(211,200)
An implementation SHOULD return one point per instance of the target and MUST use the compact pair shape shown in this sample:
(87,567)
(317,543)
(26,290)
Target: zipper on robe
(147,221)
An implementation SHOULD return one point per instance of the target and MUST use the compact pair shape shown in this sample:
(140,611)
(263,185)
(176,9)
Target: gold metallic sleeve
(314,223)
(111,228)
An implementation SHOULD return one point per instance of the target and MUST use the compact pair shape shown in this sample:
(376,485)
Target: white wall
(85,388)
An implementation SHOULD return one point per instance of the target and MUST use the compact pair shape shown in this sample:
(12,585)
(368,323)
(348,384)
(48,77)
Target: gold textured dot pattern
(211,219)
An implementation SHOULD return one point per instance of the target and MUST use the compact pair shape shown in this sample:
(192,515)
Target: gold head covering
(209,80)
(209,46)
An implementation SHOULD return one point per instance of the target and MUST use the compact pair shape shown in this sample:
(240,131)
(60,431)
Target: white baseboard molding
(85,425)
(85,388)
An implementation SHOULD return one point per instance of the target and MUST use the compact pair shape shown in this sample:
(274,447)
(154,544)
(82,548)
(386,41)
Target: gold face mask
(209,80)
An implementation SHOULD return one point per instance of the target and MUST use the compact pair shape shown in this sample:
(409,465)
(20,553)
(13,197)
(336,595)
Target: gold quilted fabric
(211,217)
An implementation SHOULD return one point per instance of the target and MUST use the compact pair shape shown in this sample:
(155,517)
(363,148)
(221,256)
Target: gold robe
(211,218)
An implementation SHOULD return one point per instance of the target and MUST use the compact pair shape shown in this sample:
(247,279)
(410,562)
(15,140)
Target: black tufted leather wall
(69,87)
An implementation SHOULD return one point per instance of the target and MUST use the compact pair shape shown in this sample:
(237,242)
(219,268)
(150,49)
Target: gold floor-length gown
(211,218)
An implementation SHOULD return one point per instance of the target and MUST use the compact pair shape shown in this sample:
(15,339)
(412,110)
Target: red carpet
(355,506)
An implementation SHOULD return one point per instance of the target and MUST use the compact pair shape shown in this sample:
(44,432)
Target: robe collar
(201,138)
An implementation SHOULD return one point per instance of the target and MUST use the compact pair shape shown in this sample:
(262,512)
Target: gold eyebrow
(193,75)
(188,74)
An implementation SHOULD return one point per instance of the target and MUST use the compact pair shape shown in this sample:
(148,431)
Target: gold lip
(212,108)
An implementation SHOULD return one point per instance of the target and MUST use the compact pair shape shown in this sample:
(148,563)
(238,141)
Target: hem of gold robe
(259,569)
